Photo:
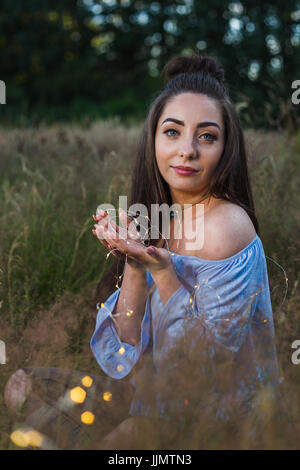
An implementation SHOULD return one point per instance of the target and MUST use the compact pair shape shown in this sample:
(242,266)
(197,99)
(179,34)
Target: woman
(190,328)
(217,292)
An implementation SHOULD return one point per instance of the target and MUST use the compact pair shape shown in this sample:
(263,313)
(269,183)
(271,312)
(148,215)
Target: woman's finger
(129,231)
(124,248)
(113,227)
(102,223)
(114,251)
(105,220)
(130,248)
(101,214)
(106,223)
(129,223)
(98,232)
(102,235)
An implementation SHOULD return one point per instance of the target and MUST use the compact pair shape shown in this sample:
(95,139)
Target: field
(51,182)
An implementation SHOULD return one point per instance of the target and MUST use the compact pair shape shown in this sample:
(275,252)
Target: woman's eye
(211,136)
(170,130)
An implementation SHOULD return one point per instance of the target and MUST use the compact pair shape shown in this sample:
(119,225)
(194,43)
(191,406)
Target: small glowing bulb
(219,297)
(87,417)
(191,300)
(227,319)
(107,396)
(120,367)
(102,304)
(265,320)
(87,381)
(121,350)
(77,395)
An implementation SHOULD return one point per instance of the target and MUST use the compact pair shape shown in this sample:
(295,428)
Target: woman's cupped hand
(126,243)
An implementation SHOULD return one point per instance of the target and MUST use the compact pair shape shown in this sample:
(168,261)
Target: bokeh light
(88,417)
(77,395)
(107,396)
(19,438)
(35,438)
(87,381)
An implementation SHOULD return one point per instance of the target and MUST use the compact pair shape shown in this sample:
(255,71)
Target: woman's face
(190,132)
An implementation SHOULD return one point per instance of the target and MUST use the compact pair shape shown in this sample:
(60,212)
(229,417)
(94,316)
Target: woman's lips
(181,171)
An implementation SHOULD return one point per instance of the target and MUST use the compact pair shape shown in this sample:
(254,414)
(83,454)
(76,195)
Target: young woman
(218,290)
(180,297)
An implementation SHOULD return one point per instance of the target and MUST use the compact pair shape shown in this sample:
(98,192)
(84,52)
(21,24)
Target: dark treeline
(70,59)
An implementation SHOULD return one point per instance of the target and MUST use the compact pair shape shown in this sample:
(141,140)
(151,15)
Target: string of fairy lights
(26,436)
(193,311)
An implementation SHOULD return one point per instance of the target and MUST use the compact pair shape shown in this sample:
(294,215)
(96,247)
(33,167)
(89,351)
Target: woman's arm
(166,282)
(130,307)
(131,303)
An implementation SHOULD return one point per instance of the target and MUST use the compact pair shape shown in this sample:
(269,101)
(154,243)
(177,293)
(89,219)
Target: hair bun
(193,64)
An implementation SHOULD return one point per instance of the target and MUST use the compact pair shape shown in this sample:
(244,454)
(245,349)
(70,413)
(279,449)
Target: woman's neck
(191,209)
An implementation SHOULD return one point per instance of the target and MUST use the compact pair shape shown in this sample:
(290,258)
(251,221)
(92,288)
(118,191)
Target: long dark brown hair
(230,181)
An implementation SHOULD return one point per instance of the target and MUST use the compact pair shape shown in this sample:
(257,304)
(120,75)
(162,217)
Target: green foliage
(71,60)
(51,183)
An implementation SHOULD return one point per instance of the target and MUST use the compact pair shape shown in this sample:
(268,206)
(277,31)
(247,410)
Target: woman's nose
(188,150)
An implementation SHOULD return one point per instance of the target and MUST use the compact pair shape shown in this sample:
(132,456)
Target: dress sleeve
(222,301)
(117,358)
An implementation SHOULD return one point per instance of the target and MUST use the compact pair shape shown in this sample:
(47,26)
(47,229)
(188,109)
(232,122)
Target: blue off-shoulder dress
(231,297)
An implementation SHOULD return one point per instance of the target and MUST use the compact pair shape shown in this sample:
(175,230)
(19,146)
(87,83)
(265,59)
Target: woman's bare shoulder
(227,230)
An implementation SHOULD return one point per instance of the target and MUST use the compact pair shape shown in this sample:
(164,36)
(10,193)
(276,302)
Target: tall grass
(51,181)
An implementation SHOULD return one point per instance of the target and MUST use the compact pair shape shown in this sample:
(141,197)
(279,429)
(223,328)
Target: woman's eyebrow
(200,124)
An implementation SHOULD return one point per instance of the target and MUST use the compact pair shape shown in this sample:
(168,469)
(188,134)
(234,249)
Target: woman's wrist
(166,281)
(134,269)
(163,272)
